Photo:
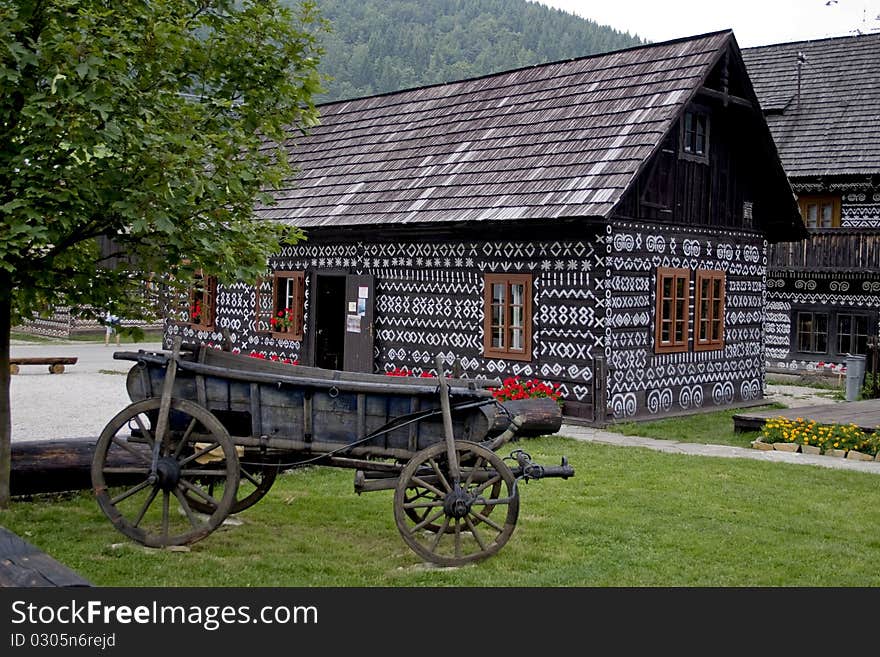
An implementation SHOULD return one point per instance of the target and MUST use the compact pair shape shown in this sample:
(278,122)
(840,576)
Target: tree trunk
(5,411)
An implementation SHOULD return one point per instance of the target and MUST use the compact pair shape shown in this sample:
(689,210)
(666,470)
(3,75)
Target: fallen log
(55,466)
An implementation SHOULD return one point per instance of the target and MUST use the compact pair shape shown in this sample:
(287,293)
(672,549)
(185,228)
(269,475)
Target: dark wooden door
(360,303)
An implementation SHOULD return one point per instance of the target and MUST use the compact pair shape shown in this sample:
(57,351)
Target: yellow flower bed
(825,437)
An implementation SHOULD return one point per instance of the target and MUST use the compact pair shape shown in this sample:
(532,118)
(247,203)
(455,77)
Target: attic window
(695,135)
(820,211)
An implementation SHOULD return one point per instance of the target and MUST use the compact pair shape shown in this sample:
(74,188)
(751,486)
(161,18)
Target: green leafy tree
(156,124)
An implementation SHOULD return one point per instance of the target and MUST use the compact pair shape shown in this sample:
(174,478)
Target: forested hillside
(384,45)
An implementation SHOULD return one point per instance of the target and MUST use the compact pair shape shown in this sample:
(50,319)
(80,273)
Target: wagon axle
(458,503)
(167,473)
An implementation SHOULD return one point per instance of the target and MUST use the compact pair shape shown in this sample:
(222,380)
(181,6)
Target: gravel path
(74,404)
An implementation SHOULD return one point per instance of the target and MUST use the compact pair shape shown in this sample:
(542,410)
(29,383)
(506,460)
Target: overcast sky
(754,22)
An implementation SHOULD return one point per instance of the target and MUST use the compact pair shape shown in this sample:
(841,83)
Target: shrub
(868,390)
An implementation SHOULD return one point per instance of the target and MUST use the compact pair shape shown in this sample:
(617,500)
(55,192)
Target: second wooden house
(601,223)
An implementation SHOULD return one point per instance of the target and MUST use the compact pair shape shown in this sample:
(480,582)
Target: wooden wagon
(208,431)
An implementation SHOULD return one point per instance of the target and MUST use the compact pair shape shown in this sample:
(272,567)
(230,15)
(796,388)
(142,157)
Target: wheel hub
(167,473)
(457,503)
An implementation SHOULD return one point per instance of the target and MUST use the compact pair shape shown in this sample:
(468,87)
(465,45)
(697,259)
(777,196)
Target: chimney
(801,60)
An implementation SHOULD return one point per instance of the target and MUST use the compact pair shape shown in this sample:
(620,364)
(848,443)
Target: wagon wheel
(254,481)
(154,508)
(419,512)
(465,531)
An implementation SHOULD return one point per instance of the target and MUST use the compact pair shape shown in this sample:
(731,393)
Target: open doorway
(329,321)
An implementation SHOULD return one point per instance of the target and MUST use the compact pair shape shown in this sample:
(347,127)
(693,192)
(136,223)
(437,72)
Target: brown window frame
(507,352)
(262,319)
(205,293)
(820,201)
(715,320)
(673,346)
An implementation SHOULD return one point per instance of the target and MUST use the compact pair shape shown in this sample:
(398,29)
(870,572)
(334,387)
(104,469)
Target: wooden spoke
(453,527)
(120,442)
(130,492)
(146,432)
(198,491)
(422,524)
(255,480)
(494,525)
(201,452)
(185,438)
(425,484)
(146,505)
(193,520)
(132,508)
(440,475)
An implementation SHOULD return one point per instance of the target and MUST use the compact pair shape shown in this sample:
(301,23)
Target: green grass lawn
(629,517)
(715,428)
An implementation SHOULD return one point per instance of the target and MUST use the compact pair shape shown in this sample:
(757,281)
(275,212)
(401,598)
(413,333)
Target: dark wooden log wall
(644,383)
(429,298)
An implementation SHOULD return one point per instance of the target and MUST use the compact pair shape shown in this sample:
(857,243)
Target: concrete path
(589,434)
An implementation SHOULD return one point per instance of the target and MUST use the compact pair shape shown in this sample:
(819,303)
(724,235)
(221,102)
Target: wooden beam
(726,98)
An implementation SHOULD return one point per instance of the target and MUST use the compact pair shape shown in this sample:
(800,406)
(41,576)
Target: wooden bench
(56,365)
(23,565)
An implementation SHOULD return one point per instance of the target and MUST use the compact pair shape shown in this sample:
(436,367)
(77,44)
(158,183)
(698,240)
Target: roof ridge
(802,41)
(530,67)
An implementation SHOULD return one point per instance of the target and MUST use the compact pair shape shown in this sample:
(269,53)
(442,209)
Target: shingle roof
(557,140)
(834,127)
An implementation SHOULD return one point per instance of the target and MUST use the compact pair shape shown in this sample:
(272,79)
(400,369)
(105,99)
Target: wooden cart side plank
(256,413)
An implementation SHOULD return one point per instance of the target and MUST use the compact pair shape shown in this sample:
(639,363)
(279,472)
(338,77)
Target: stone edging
(810,449)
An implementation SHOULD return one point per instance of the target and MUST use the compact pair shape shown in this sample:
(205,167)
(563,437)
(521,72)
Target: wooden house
(822,102)
(601,223)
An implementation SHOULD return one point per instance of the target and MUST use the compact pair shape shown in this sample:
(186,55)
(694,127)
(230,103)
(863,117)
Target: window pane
(498,293)
(812,216)
(680,289)
(679,309)
(497,315)
(804,331)
(516,339)
(716,330)
(704,330)
(827,213)
(516,316)
(665,331)
(667,290)
(700,146)
(679,331)
(497,336)
(517,294)
(666,310)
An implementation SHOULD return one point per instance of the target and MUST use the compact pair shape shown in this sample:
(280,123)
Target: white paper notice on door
(363,292)
(353,323)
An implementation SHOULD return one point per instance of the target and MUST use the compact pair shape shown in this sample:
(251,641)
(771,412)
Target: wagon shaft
(372,480)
